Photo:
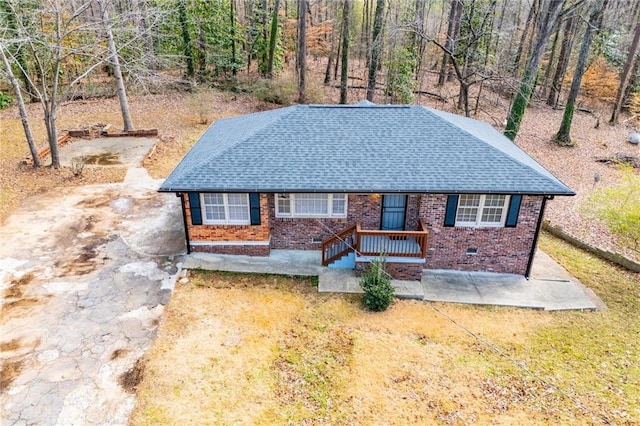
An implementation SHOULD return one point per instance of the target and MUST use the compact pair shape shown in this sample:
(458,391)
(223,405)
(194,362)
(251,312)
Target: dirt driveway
(85,273)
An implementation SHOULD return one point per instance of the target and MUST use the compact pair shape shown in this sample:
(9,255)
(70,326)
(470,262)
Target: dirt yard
(247,349)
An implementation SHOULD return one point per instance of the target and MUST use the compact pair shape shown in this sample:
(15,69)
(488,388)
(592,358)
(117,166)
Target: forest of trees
(58,50)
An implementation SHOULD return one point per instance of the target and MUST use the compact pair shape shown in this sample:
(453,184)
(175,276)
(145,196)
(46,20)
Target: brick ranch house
(427,188)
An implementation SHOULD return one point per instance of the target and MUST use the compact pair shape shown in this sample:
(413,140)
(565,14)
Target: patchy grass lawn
(236,348)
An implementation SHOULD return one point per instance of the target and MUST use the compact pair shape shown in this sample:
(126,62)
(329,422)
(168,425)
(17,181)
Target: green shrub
(281,91)
(5,100)
(376,284)
(619,208)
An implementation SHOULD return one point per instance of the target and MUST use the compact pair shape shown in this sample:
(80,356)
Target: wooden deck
(375,242)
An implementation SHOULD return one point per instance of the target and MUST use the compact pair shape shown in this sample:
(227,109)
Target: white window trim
(206,221)
(292,204)
(478,222)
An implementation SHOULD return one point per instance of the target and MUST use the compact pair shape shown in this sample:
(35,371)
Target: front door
(393,212)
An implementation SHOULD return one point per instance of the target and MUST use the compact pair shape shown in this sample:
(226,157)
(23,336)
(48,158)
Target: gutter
(184,221)
(366,191)
(535,236)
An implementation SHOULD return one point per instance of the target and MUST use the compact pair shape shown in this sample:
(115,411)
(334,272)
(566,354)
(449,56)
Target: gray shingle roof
(358,148)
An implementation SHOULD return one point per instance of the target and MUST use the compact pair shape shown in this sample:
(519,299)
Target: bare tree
(624,77)
(115,65)
(21,107)
(48,52)
(453,29)
(563,61)
(376,48)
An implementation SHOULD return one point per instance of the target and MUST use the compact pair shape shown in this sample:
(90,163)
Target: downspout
(536,235)
(184,221)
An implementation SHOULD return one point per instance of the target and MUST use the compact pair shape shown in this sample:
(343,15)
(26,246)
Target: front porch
(368,242)
(355,247)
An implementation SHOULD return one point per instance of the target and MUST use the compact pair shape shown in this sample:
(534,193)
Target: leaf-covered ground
(263,349)
(182,117)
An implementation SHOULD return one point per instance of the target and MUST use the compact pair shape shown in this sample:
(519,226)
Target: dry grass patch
(236,348)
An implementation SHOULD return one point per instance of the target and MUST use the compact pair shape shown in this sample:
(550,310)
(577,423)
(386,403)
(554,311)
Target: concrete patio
(550,286)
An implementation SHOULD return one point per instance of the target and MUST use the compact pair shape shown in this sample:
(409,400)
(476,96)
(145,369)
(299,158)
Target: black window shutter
(514,210)
(254,208)
(194,205)
(450,214)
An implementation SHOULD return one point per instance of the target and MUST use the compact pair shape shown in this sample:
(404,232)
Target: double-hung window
(311,205)
(225,209)
(481,210)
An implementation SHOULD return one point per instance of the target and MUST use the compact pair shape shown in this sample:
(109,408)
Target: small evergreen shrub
(376,284)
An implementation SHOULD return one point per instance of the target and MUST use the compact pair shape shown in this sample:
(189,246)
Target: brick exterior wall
(222,233)
(498,249)
(298,233)
(504,250)
(398,271)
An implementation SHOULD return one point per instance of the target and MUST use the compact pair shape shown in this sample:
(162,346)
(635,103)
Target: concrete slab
(285,262)
(551,289)
(126,151)
(483,288)
(346,281)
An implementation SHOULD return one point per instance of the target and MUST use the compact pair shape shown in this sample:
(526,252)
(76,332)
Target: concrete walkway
(550,286)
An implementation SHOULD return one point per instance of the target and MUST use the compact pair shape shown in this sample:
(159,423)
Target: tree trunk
(454,16)
(365,36)
(338,55)
(633,82)
(23,111)
(186,38)
(232,18)
(418,41)
(50,103)
(523,38)
(273,37)
(117,72)
(376,45)
(552,58)
(302,51)
(549,15)
(563,62)
(344,76)
(327,73)
(563,136)
(624,78)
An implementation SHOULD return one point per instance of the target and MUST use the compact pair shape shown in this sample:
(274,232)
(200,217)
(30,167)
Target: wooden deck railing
(374,242)
(338,245)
